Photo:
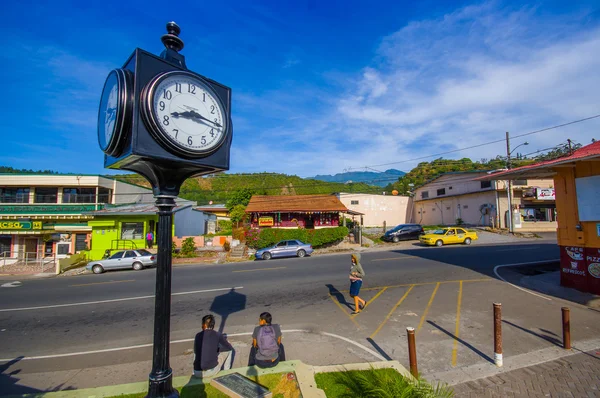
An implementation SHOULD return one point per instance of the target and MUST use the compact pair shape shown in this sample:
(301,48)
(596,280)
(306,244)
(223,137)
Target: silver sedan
(285,248)
(125,259)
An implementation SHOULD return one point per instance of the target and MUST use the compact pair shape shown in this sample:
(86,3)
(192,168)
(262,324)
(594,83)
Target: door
(279,250)
(413,232)
(128,259)
(31,248)
(292,248)
(114,261)
(461,235)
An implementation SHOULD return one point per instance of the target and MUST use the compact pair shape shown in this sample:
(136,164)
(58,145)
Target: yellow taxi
(448,236)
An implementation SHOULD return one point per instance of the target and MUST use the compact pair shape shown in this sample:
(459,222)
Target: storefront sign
(545,194)
(47,209)
(20,225)
(265,221)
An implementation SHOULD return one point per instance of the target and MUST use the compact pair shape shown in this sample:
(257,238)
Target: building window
(424,194)
(441,191)
(450,188)
(104,195)
(80,243)
(465,206)
(5,246)
(14,195)
(354,202)
(486,184)
(520,182)
(79,195)
(46,195)
(62,248)
(433,209)
(132,230)
(447,207)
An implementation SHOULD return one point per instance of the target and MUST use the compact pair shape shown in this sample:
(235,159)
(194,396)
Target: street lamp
(508,166)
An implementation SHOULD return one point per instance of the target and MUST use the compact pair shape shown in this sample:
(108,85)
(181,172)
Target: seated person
(212,351)
(267,350)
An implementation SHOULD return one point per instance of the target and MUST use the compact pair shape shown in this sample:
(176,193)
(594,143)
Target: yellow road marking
(456,331)
(437,286)
(102,283)
(373,299)
(259,269)
(342,309)
(391,312)
(422,284)
(392,258)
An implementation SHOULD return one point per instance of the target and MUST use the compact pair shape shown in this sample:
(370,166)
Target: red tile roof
(544,169)
(291,203)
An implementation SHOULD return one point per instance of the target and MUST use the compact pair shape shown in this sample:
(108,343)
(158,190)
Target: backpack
(149,236)
(267,342)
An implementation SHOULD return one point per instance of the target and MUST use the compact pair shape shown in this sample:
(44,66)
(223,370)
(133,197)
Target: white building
(377,209)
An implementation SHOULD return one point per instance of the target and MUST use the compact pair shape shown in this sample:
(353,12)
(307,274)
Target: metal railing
(122,244)
(28,262)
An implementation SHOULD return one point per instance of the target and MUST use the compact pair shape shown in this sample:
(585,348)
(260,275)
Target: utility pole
(570,147)
(509,219)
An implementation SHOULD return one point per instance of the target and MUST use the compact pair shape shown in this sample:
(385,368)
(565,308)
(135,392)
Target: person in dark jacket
(356,278)
(212,351)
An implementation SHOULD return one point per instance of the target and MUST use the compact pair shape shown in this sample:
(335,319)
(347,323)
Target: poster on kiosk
(592,258)
(573,270)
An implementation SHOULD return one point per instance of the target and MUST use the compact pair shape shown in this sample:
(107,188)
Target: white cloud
(460,80)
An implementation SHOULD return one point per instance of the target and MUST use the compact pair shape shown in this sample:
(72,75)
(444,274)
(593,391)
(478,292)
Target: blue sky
(318,86)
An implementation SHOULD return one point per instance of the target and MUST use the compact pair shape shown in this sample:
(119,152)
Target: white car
(137,259)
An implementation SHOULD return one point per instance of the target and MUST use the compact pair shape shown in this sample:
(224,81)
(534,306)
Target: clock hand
(199,116)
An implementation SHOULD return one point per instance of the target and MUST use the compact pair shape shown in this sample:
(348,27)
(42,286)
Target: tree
(239,197)
(560,151)
(237,214)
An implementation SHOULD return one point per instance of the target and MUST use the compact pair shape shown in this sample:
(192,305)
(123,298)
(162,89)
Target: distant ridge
(368,177)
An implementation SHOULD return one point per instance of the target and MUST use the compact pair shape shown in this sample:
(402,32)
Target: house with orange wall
(577,185)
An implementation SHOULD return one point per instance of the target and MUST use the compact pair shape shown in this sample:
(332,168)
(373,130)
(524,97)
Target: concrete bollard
(412,352)
(498,334)
(566,324)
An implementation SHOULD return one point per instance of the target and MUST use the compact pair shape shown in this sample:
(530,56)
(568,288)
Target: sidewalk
(573,376)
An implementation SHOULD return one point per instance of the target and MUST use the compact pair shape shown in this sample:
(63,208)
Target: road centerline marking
(102,283)
(115,300)
(456,331)
(373,299)
(391,312)
(392,258)
(259,269)
(437,286)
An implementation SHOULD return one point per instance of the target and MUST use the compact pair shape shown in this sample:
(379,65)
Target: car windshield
(440,232)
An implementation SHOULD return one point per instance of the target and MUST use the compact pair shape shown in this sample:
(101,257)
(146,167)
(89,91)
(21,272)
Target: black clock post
(137,134)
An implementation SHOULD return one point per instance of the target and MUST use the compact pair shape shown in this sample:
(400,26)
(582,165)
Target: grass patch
(377,383)
(279,384)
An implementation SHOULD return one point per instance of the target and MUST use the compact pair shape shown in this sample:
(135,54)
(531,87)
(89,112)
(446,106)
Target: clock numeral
(191,89)
(190,142)
(166,120)
(176,132)
(167,94)
(212,132)
(203,140)
(178,87)
(204,97)
(162,105)
(212,109)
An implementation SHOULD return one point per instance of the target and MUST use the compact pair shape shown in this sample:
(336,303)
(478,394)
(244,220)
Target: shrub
(224,225)
(257,239)
(226,246)
(239,234)
(188,247)
(459,221)
(174,248)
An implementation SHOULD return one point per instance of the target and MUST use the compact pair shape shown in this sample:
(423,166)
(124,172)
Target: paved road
(446,293)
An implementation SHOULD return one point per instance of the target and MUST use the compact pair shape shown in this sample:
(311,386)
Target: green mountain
(380,179)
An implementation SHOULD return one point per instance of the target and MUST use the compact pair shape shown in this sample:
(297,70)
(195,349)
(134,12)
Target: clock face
(185,113)
(114,110)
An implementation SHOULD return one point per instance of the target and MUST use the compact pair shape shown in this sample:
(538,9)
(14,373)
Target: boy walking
(212,351)
(267,350)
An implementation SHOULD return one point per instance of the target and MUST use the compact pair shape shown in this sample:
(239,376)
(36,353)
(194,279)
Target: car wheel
(396,239)
(97,269)
(266,256)
(301,253)
(468,241)
(138,266)
(439,243)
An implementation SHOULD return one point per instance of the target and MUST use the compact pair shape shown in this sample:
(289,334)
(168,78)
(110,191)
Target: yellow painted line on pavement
(259,269)
(423,284)
(102,283)
(373,299)
(457,330)
(392,258)
(343,310)
(391,312)
(437,286)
